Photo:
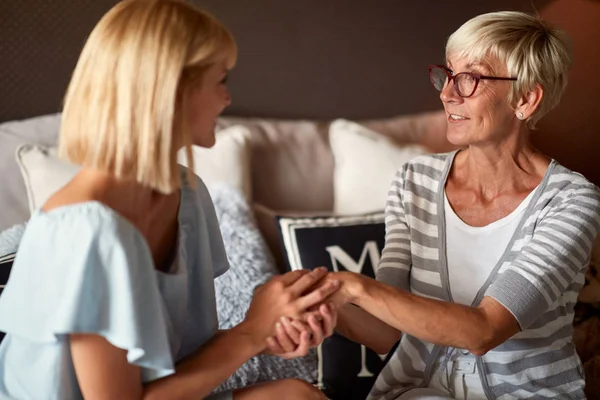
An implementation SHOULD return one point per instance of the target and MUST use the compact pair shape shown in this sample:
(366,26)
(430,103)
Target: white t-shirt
(473,252)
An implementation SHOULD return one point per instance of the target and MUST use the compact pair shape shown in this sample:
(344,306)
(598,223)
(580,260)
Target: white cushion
(365,163)
(228,161)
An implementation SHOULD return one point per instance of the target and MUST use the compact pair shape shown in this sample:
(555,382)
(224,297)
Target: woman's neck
(499,168)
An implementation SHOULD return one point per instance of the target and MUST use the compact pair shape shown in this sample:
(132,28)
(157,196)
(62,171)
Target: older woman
(486,247)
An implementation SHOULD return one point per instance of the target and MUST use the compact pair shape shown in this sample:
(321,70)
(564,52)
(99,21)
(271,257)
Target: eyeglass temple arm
(497,78)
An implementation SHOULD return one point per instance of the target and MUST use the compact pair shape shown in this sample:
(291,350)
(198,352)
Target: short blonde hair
(533,52)
(123,108)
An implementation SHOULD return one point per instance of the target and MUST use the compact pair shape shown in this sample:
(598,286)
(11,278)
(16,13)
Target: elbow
(480,351)
(484,339)
(383,347)
(481,345)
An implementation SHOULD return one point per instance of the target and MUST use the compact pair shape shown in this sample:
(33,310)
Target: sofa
(285,163)
(292,194)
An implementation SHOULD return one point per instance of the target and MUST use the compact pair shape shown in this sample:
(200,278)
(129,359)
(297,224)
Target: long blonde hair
(122,111)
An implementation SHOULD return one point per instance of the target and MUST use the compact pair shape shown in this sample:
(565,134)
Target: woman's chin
(207,141)
(460,139)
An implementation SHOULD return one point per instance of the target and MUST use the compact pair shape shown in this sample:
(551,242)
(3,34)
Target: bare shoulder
(75,191)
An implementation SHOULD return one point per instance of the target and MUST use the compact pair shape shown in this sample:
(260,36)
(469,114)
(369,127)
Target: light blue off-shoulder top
(83,268)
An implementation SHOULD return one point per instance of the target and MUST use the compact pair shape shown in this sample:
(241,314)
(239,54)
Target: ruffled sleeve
(84,269)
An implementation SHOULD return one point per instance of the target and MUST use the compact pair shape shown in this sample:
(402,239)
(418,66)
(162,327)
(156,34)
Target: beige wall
(571,132)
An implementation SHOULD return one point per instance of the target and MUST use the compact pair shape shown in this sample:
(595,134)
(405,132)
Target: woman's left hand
(295,338)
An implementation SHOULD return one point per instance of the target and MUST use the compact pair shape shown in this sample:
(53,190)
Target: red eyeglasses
(465,83)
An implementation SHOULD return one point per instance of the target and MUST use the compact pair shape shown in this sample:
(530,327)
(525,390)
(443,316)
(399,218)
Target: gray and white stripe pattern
(537,279)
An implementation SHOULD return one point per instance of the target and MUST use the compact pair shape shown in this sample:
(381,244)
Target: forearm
(359,326)
(435,321)
(198,375)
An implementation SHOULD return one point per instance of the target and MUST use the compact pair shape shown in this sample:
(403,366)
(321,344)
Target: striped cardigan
(537,279)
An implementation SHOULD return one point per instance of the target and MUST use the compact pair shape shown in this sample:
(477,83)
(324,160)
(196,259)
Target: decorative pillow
(266,219)
(251,265)
(6,262)
(9,243)
(228,161)
(289,156)
(13,196)
(347,370)
(365,163)
(5,267)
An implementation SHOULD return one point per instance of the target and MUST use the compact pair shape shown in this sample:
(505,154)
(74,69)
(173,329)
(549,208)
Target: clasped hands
(296,311)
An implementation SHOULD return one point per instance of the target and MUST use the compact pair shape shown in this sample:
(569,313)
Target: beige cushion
(292,167)
(365,163)
(427,129)
(292,163)
(228,161)
(43,172)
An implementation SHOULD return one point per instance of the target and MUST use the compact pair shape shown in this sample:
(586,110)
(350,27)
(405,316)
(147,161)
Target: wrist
(358,289)
(248,334)
(353,286)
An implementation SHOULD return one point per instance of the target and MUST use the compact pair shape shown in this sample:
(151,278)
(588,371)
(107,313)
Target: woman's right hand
(287,295)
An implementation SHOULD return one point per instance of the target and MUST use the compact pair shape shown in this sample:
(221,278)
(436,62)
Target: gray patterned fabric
(10,238)
(251,264)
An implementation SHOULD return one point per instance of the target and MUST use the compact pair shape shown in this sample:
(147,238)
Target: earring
(520,115)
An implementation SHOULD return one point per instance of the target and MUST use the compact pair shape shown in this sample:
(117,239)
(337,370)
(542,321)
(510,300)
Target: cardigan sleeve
(554,260)
(396,258)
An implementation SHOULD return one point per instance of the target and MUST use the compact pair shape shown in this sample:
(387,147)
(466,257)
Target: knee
(303,389)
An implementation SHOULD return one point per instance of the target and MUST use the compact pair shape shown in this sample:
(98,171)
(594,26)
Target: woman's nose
(448,93)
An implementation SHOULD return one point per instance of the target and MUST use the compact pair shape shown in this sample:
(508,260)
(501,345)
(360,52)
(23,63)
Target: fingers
(329,313)
(284,339)
(316,329)
(293,331)
(305,282)
(318,295)
(274,347)
(302,349)
(291,277)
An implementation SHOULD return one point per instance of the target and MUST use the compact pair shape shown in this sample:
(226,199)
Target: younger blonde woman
(111,294)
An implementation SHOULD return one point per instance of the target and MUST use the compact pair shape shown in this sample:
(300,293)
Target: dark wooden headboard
(316,59)
(298,59)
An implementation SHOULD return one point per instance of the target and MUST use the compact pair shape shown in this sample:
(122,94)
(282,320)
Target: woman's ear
(529,102)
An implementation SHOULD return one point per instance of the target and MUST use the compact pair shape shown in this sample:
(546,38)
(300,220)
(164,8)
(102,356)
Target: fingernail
(278,326)
(285,320)
(322,269)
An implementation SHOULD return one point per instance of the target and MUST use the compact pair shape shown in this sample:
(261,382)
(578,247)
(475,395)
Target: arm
(477,329)
(103,371)
(194,378)
(358,325)
(548,266)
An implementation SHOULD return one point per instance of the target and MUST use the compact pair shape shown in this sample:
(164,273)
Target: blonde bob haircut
(532,51)
(123,110)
